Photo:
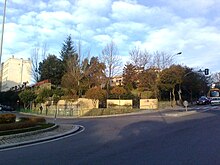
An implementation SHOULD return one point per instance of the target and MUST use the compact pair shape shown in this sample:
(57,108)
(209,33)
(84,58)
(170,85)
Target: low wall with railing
(73,107)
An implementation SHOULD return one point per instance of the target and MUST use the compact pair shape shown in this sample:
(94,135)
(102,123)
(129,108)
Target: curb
(75,129)
(179,114)
(30,133)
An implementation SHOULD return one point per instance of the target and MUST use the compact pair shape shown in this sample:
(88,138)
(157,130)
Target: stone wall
(74,107)
(112,103)
(148,103)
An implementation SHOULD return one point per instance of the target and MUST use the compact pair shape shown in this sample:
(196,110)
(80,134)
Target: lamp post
(179,92)
(1,46)
(2,35)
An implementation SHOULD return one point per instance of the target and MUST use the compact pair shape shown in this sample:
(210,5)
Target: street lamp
(179,91)
(2,35)
(179,53)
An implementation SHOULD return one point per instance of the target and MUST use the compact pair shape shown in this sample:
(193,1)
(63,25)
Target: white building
(15,72)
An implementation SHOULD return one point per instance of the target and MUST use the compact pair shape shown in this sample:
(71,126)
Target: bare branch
(111,59)
(139,58)
(161,60)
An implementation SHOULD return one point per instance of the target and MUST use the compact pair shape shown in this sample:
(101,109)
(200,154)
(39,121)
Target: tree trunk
(174,98)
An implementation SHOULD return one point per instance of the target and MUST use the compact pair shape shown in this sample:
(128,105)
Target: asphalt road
(138,139)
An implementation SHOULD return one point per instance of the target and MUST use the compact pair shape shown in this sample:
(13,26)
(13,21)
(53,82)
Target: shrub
(7,118)
(33,119)
(25,122)
(37,119)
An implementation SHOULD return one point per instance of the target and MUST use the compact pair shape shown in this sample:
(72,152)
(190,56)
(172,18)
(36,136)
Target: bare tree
(44,50)
(35,64)
(215,78)
(140,58)
(162,60)
(35,60)
(112,61)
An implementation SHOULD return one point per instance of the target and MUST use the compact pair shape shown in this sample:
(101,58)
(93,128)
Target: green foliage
(51,68)
(27,96)
(43,95)
(9,97)
(68,50)
(194,84)
(170,77)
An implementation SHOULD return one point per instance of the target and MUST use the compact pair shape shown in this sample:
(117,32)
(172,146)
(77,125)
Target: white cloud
(98,6)
(193,7)
(60,5)
(102,39)
(190,26)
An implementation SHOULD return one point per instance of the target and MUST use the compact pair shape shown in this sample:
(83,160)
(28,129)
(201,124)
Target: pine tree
(68,50)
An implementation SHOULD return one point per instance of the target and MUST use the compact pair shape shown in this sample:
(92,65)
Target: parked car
(215,101)
(6,108)
(203,100)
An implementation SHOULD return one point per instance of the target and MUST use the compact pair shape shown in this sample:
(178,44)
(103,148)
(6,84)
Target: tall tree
(148,81)
(71,78)
(26,97)
(68,50)
(170,77)
(130,76)
(194,84)
(95,72)
(112,62)
(51,68)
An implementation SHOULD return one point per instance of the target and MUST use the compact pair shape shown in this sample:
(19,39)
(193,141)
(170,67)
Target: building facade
(116,81)
(15,73)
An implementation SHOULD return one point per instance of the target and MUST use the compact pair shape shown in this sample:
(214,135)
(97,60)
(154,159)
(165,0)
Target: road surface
(138,139)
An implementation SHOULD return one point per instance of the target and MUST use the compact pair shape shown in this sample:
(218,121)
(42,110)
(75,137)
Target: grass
(23,130)
(110,111)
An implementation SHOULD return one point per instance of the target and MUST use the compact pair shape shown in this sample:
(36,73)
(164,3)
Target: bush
(33,119)
(7,118)
(37,119)
(25,122)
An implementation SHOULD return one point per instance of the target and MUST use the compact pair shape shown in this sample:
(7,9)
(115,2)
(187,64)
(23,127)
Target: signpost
(185,103)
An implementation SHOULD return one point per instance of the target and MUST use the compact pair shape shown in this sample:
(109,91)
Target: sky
(188,26)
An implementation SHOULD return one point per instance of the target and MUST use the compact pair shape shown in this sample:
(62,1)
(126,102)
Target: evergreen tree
(68,50)
(130,77)
(52,69)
